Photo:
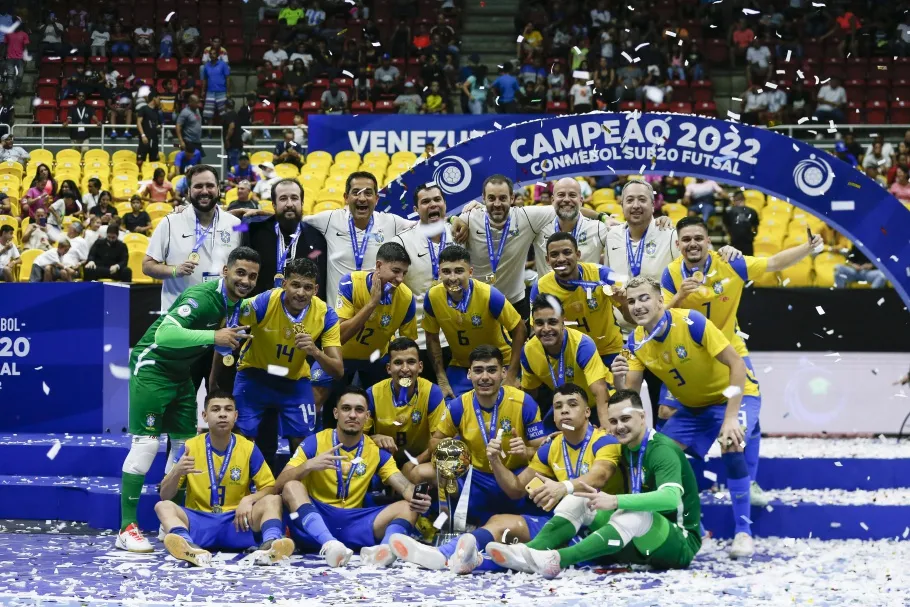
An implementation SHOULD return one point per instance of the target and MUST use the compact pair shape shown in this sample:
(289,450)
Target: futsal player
(162,394)
(326,482)
(273,371)
(579,455)
(656,523)
(217,469)
(468,313)
(557,355)
(718,395)
(491,410)
(405,407)
(703,280)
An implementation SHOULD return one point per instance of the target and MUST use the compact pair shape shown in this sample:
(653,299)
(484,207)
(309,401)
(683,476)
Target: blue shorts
(698,427)
(488,499)
(255,391)
(217,532)
(668,400)
(353,527)
(368,373)
(458,379)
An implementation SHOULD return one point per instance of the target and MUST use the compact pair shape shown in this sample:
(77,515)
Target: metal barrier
(811,130)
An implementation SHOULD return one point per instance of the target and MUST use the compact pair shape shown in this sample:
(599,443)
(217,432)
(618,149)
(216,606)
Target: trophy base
(444,537)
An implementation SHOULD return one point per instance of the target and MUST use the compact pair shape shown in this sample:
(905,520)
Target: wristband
(449,220)
(174,271)
(601,216)
(570,488)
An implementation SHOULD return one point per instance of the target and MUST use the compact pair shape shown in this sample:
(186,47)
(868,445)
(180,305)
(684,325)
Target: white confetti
(294,516)
(45,388)
(838,464)
(820,310)
(746,518)
(769,508)
(731,391)
(520,39)
(768,369)
(906,532)
(750,11)
(671,34)
(54,450)
(277,370)
(711,476)
(742,334)
(375,355)
(835,525)
(108,347)
(440,520)
(614,543)
(505,534)
(411,458)
(864,526)
(881,301)
(843,205)
(732,115)
(788,56)
(119,372)
(169,15)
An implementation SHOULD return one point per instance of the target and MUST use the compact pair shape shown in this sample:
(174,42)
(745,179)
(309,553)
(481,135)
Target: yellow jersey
(579,363)
(562,461)
(719,298)
(408,423)
(230,472)
(486,319)
(272,328)
(584,301)
(682,355)
(345,485)
(396,312)
(515,412)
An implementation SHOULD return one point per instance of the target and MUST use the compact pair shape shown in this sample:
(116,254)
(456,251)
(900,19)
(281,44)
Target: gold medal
(491,278)
(404,382)
(279,276)
(217,509)
(608,290)
(299,328)
(228,360)
(194,257)
(698,275)
(626,353)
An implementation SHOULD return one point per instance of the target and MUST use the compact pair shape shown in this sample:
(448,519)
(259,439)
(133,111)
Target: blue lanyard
(556,227)
(344,486)
(587,285)
(687,273)
(386,299)
(581,454)
(434,257)
(360,248)
(636,475)
(214,483)
(658,329)
(201,234)
(283,252)
(295,319)
(232,316)
(497,257)
(494,416)
(635,261)
(462,306)
(402,399)
(559,378)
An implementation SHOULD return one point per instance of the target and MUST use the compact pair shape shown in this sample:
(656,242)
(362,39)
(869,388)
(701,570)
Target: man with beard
(162,394)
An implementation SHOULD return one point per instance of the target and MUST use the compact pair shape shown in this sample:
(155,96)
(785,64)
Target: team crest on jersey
(235,474)
(316,373)
(584,468)
(592,304)
(184,311)
(378,236)
(681,352)
(150,420)
(506,424)
(570,373)
(651,248)
(583,237)
(386,320)
(416,417)
(225,236)
(192,302)
(476,320)
(244,310)
(360,468)
(718,287)
(339,302)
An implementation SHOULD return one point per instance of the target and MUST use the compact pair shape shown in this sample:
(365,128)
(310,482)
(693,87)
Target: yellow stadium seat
(148,169)
(311,180)
(320,157)
(327,205)
(378,170)
(126,168)
(376,156)
(179,179)
(123,190)
(767,245)
(11,189)
(156,221)
(345,168)
(349,157)
(172,156)
(36,157)
(70,155)
(800,275)
(261,156)
(68,164)
(408,157)
(330,194)
(11,167)
(123,156)
(286,171)
(603,194)
(688,180)
(7,220)
(68,219)
(829,258)
(123,208)
(9,179)
(317,165)
(159,209)
(335,181)
(15,209)
(772,227)
(97,155)
(400,166)
(28,258)
(136,237)
(135,264)
(609,208)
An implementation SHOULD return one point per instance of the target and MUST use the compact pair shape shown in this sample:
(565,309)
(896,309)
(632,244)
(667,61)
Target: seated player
(717,394)
(325,484)
(285,324)
(217,469)
(488,412)
(586,293)
(657,523)
(579,455)
(557,355)
(405,407)
(373,307)
(469,313)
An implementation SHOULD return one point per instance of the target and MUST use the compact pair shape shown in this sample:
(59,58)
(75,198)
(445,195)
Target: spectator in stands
(288,151)
(214,49)
(858,269)
(120,41)
(300,130)
(105,208)
(740,37)
(421,39)
(100,38)
(556,83)
(788,41)
(400,41)
(303,54)
(530,44)
(11,152)
(242,171)
(166,43)
(630,79)
(695,61)
(6,23)
(445,32)
(314,19)
(269,81)
(183,161)
(7,111)
(148,122)
(215,82)
(434,102)
(701,197)
(535,98)
(334,100)
(52,37)
(887,148)
(409,101)
(138,220)
(676,69)
(42,191)
(10,258)
(90,199)
(276,55)
(35,235)
(109,258)
(268,176)
(244,202)
(232,132)
(741,223)
(799,101)
(901,186)
(48,267)
(91,233)
(580,97)
(776,112)
(877,158)
(507,89)
(66,205)
(189,127)
(363,88)
(6,207)
(903,160)
(270,9)
(433,71)
(76,83)
(297,82)
(159,189)
(600,17)
(77,255)
(532,71)
(144,36)
(902,43)
(848,26)
(832,101)
(78,118)
(16,43)
(758,62)
(842,152)
(120,113)
(188,38)
(475,88)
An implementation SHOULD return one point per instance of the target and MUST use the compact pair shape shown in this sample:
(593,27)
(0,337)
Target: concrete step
(497,8)
(488,44)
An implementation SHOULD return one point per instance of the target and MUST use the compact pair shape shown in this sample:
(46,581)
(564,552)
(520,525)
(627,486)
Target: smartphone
(533,484)
(809,232)
(42,221)
(422,489)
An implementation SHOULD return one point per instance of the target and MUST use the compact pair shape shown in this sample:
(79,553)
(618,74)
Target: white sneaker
(336,554)
(377,556)
(181,549)
(757,496)
(132,540)
(410,550)
(466,558)
(743,546)
(543,562)
(508,556)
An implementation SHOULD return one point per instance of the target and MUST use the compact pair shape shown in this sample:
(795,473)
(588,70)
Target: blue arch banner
(662,144)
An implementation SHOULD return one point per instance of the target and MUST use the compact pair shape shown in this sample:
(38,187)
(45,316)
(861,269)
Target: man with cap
(268,177)
(840,150)
(386,76)
(243,171)
(8,151)
(409,101)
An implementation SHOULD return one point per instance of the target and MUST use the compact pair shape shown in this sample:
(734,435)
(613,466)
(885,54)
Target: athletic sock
(483,538)
(738,482)
(130,490)
(605,540)
(272,529)
(448,549)
(182,532)
(398,525)
(557,532)
(310,522)
(752,453)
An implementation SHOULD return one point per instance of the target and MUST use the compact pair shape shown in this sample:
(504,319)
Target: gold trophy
(452,460)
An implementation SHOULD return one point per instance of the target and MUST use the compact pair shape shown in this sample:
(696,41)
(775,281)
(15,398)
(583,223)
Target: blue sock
(738,482)
(399,525)
(272,529)
(488,564)
(483,538)
(182,532)
(751,452)
(448,549)
(310,522)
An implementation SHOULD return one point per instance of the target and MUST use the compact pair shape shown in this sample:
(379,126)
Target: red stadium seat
(656,107)
(264,112)
(71,63)
(681,107)
(879,67)
(856,89)
(319,87)
(235,48)
(98,105)
(715,51)
(232,27)
(63,109)
(258,48)
(857,68)
(191,62)
(97,63)
(854,113)
(813,48)
(384,107)
(706,108)
(286,111)
(48,88)
(308,108)
(681,90)
(630,106)
(876,112)
(144,67)
(702,90)
(123,65)
(361,107)
(50,67)
(166,66)
(877,90)
(900,112)
(557,107)
(413,71)
(900,68)
(833,66)
(46,112)
(900,90)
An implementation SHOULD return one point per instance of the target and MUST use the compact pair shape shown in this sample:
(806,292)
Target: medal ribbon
(402,399)
(658,329)
(494,416)
(295,319)
(344,486)
(283,252)
(360,248)
(213,482)
(581,454)
(687,273)
(202,235)
(635,261)
(232,316)
(556,227)
(587,285)
(635,474)
(434,256)
(559,378)
(462,306)
(496,257)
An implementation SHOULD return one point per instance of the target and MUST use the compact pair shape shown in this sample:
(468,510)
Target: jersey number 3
(678,377)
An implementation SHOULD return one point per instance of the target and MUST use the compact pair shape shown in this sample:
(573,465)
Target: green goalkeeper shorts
(159,405)
(676,551)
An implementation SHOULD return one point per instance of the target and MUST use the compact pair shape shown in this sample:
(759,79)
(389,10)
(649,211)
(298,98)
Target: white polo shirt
(591,235)
(660,250)
(525,223)
(78,253)
(334,226)
(420,275)
(173,240)
(49,257)
(9,255)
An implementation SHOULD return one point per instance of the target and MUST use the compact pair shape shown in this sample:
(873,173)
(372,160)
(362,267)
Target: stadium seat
(557,107)
(330,194)
(876,112)
(7,220)
(349,157)
(343,167)
(404,157)
(824,268)
(319,155)
(159,209)
(172,156)
(28,258)
(857,68)
(768,245)
(123,208)
(262,156)
(878,90)
(716,51)
(124,156)
(126,168)
(137,239)
(97,155)
(384,106)
(311,180)
(327,205)
(377,157)
(706,108)
(135,264)
(265,113)
(40,156)
(123,190)
(285,112)
(900,112)
(11,167)
(856,89)
(361,107)
(286,170)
